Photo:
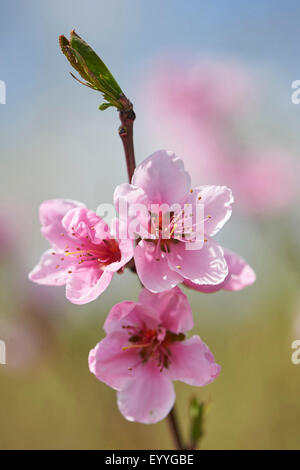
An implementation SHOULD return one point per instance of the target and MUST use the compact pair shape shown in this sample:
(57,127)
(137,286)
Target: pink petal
(51,270)
(206,288)
(193,363)
(85,285)
(132,206)
(204,266)
(83,224)
(163,178)
(110,363)
(130,194)
(119,232)
(131,314)
(116,314)
(217,202)
(51,215)
(126,248)
(53,210)
(241,274)
(154,275)
(148,397)
(173,307)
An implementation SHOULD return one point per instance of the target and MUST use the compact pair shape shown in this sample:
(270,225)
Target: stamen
(136,346)
(173,230)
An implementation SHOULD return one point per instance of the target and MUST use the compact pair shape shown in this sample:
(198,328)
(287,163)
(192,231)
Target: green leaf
(196,412)
(95,83)
(69,54)
(93,70)
(104,106)
(94,63)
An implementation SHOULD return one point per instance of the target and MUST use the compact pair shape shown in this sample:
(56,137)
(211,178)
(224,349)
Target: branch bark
(174,427)
(126,133)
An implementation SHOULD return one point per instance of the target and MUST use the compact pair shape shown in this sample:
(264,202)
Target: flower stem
(126,133)
(174,427)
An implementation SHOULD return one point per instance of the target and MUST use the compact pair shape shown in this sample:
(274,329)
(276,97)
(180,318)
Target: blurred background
(211,81)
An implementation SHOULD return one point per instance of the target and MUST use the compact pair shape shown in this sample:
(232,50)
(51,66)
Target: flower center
(163,225)
(105,253)
(153,344)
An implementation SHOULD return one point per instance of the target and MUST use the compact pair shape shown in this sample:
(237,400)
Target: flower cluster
(146,347)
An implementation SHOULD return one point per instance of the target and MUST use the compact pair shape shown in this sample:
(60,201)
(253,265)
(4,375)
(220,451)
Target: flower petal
(53,210)
(148,397)
(204,266)
(163,178)
(51,215)
(193,363)
(82,224)
(217,202)
(173,307)
(206,288)
(130,194)
(132,206)
(51,270)
(126,249)
(110,363)
(154,275)
(130,314)
(85,285)
(241,274)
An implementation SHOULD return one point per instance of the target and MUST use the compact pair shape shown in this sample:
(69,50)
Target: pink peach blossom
(83,255)
(163,263)
(240,275)
(196,102)
(199,104)
(264,180)
(145,349)
(209,90)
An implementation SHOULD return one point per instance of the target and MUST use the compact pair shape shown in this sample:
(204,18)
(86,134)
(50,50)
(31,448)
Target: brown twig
(174,426)
(126,133)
